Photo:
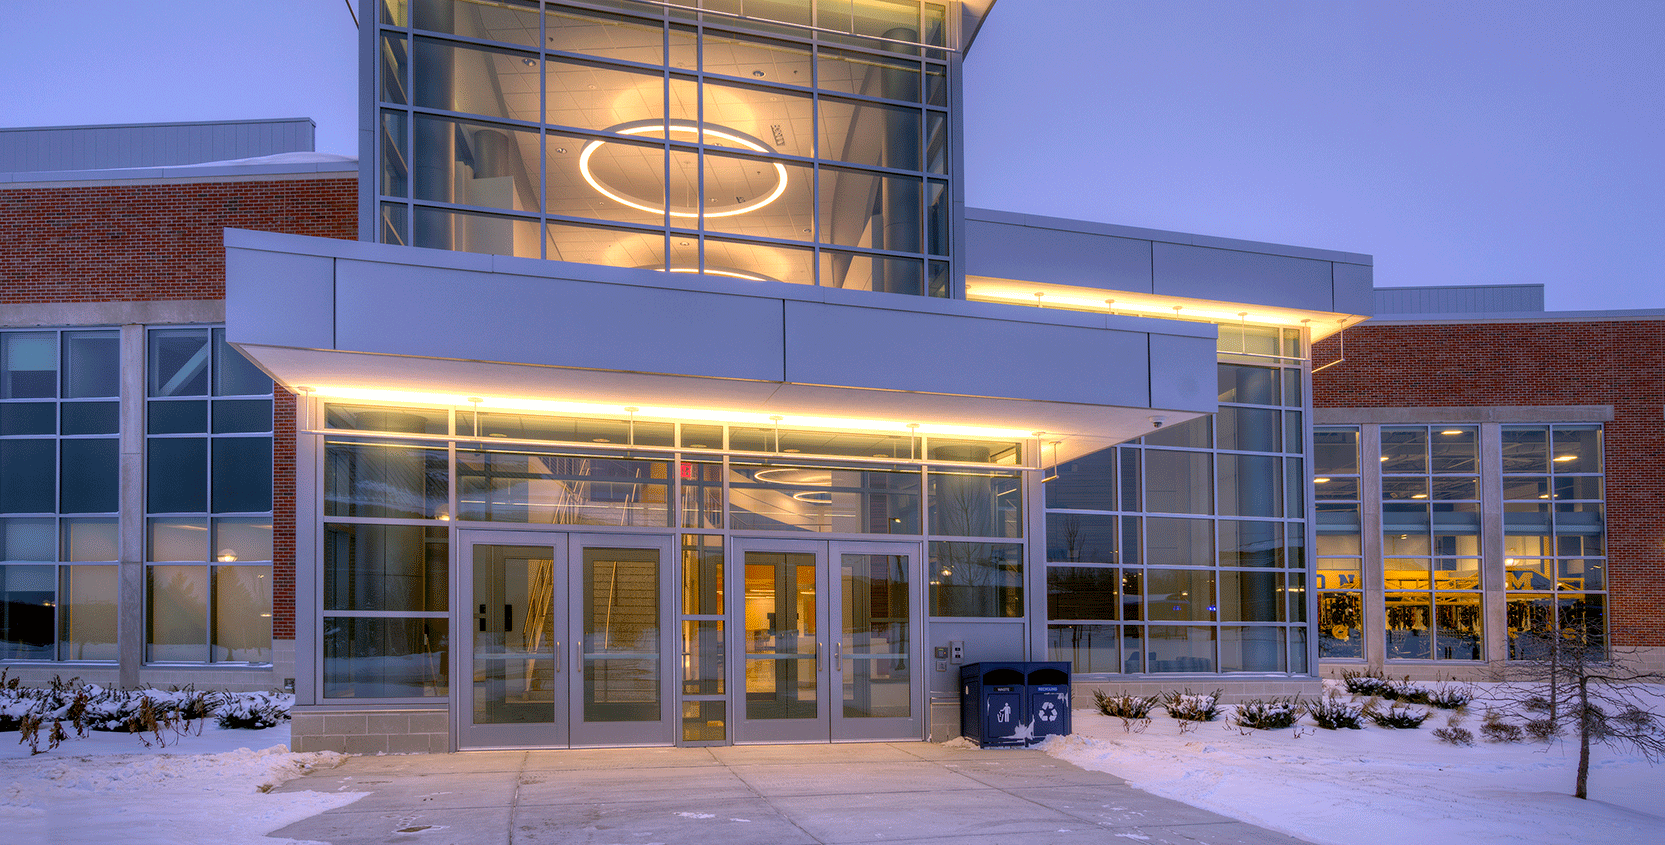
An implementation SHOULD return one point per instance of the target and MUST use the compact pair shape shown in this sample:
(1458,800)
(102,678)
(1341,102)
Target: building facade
(1487,475)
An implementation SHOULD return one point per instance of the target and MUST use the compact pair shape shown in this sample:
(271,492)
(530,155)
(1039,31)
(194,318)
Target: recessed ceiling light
(1419,495)
(1452,431)
(1561,459)
(1320,480)
(600,440)
(757,73)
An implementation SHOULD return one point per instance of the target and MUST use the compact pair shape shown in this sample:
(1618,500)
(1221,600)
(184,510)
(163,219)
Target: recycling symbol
(1048,712)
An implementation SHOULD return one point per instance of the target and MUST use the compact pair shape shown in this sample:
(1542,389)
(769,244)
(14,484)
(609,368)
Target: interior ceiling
(1077,428)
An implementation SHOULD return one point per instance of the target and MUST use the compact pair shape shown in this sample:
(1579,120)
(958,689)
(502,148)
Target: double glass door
(831,645)
(569,634)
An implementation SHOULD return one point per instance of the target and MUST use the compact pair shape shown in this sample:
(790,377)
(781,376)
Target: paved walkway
(767,795)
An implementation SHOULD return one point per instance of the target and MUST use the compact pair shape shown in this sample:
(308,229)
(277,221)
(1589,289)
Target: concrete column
(130,571)
(1494,604)
(1370,543)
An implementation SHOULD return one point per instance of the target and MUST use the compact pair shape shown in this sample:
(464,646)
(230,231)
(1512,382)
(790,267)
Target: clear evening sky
(1457,141)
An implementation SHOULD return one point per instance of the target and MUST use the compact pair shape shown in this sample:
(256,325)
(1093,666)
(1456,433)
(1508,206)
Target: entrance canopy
(393,324)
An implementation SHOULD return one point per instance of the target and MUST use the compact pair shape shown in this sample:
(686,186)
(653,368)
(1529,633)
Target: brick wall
(116,243)
(1621,364)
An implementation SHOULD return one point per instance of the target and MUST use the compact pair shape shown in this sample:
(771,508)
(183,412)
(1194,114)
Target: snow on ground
(203,788)
(1378,786)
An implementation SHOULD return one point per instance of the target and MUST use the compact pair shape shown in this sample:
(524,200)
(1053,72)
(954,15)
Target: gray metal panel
(484,316)
(1460,299)
(1182,373)
(1163,235)
(1231,276)
(55,148)
(1352,284)
(939,353)
(280,299)
(1038,254)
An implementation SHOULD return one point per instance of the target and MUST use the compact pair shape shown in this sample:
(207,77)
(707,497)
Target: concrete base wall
(361,731)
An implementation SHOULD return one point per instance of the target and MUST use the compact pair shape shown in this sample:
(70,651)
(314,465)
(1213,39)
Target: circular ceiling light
(699,132)
(730,272)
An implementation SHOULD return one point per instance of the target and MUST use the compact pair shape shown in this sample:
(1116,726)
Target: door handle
(558,655)
(578,656)
(838,656)
(818,647)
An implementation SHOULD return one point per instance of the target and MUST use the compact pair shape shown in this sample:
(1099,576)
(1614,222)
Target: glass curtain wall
(1186,552)
(811,151)
(1335,485)
(1553,536)
(59,471)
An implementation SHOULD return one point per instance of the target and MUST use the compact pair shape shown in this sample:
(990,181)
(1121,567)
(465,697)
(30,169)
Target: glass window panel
(1131,478)
(1178,482)
(615,179)
(702,495)
(1526,449)
(247,539)
(975,451)
(1295,488)
(1296,593)
(92,364)
(492,165)
(1582,574)
(1251,597)
(596,97)
(1298,650)
(1404,449)
(758,262)
(242,620)
(1295,555)
(1248,429)
(702,660)
(28,473)
(31,417)
(91,417)
(1180,648)
(1526,487)
(441,67)
(569,429)
(621,636)
(1405,487)
(1405,573)
(1293,438)
(1456,573)
(871,134)
(702,436)
(1335,488)
(938,281)
(1457,627)
(242,474)
(973,505)
(90,540)
(936,85)
(875,613)
(1086,483)
(1180,594)
(394,228)
(385,567)
(87,613)
(178,539)
(871,272)
(392,60)
(868,210)
(1246,649)
(28,539)
(1340,625)
(178,362)
(838,500)
(702,575)
(615,247)
(1446,487)
(1075,537)
(483,233)
(1251,485)
(28,365)
(1132,541)
(88,476)
(1578,487)
(936,220)
(402,420)
(374,480)
(604,36)
(1454,449)
(395,168)
(1179,542)
(1194,434)
(1406,544)
(235,375)
(385,658)
(868,75)
(1334,519)
(1405,518)
(1577,449)
(756,197)
(242,415)
(1528,574)
(1245,385)
(1409,626)
(188,417)
(1335,451)
(1338,573)
(27,597)
(976,579)
(1082,592)
(1251,543)
(1088,648)
(897,20)
(513,21)
(540,487)
(1531,621)
(756,58)
(176,614)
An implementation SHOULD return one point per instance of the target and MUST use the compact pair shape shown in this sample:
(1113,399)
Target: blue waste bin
(1048,694)
(994,704)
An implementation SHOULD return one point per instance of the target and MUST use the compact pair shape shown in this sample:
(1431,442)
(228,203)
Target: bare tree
(1570,682)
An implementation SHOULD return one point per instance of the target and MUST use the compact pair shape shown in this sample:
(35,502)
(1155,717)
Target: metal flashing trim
(1184,238)
(1484,414)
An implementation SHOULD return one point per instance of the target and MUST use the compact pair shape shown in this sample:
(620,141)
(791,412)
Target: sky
(1456,141)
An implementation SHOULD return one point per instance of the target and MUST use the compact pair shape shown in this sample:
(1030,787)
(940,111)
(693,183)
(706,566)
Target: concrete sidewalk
(768,795)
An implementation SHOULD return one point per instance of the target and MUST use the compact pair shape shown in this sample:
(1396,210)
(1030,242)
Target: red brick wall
(149,242)
(156,242)
(1621,364)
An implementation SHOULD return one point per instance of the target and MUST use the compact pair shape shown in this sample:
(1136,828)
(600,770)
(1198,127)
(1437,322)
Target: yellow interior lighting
(700,133)
(1101,301)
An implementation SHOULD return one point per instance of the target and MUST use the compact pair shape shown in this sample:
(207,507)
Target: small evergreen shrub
(1268,713)
(1399,716)
(1331,713)
(1124,706)
(1191,707)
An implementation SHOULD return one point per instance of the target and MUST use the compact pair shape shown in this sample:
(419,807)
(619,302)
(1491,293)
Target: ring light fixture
(685,127)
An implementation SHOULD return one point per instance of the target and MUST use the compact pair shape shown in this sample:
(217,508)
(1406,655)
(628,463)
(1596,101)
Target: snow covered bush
(1454,735)
(1268,713)
(1494,729)
(1367,681)
(48,715)
(1191,707)
(253,710)
(1451,698)
(1124,706)
(1398,716)
(1332,713)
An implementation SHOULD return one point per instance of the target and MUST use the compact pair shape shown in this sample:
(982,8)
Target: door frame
(829,724)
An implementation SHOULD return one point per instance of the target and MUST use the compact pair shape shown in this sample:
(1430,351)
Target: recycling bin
(1048,696)
(994,704)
